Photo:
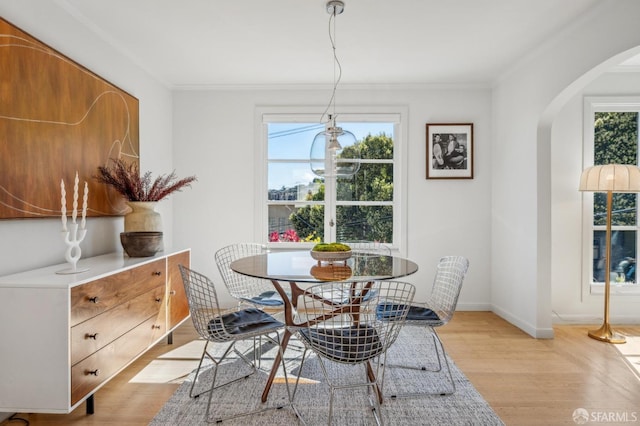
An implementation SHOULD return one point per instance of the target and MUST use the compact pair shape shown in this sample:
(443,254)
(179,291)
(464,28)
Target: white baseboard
(559,318)
(473,307)
(538,333)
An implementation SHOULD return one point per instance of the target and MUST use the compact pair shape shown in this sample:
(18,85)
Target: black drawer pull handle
(158,299)
(95,372)
(93,336)
(172,292)
(94,299)
(157,273)
(157,327)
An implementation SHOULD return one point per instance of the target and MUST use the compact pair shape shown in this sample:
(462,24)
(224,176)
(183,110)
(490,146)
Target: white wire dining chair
(436,312)
(353,332)
(254,291)
(369,247)
(367,254)
(216,325)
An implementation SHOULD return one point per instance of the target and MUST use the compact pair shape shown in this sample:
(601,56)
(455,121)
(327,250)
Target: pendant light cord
(337,69)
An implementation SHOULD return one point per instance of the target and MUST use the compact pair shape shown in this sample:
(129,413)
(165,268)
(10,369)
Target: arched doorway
(560,241)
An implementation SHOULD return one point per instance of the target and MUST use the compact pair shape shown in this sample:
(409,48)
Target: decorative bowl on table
(331,252)
(331,272)
(141,244)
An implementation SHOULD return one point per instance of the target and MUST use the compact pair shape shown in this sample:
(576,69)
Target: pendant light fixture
(335,143)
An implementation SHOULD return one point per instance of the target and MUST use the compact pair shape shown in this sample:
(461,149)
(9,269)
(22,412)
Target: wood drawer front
(91,299)
(177,298)
(110,359)
(97,332)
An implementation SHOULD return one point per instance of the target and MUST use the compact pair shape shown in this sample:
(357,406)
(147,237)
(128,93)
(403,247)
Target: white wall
(526,101)
(569,302)
(214,138)
(31,243)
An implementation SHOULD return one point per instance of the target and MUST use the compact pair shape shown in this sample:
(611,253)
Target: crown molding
(324,87)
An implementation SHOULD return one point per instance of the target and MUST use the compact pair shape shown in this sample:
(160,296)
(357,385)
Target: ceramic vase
(143,217)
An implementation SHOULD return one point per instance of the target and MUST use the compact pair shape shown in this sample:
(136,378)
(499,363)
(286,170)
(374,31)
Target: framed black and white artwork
(449,151)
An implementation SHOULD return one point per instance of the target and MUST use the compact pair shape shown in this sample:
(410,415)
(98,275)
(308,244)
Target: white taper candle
(74,214)
(84,206)
(63,201)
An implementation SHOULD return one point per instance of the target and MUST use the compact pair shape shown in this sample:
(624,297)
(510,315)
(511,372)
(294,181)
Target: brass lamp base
(606,334)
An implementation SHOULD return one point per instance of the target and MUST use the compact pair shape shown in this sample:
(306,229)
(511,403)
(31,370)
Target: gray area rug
(351,407)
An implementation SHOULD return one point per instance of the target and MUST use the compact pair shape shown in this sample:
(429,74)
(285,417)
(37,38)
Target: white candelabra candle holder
(73,237)
(74,234)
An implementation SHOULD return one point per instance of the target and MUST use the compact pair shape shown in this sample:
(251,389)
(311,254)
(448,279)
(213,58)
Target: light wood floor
(527,381)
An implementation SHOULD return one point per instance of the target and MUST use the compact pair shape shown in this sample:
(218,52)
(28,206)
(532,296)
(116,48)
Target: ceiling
(215,43)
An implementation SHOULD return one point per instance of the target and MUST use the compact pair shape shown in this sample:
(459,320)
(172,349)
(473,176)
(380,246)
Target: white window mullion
(330,210)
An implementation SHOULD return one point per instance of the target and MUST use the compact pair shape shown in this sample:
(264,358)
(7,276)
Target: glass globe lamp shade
(341,147)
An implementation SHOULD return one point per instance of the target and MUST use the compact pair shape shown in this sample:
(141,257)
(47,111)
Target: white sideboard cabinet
(63,336)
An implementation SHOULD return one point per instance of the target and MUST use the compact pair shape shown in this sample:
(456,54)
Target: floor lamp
(609,178)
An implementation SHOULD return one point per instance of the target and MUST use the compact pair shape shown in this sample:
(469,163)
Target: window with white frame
(301,207)
(611,137)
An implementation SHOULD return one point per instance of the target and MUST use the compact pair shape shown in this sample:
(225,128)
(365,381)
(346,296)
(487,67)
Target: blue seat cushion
(348,345)
(245,321)
(268,298)
(368,295)
(418,313)
(391,311)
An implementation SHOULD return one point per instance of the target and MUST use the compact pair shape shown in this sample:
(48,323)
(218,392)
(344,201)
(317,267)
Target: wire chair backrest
(369,247)
(358,328)
(203,305)
(447,284)
(240,286)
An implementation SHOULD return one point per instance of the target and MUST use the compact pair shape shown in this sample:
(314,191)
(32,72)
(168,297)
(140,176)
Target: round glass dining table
(295,267)
(298,266)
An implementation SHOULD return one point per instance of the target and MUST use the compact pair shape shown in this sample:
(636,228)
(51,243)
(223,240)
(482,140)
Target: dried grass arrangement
(127,180)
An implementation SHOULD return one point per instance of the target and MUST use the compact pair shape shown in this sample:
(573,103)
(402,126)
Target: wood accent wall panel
(56,118)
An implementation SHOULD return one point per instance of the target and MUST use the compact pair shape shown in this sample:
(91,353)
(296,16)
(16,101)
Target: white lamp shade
(611,177)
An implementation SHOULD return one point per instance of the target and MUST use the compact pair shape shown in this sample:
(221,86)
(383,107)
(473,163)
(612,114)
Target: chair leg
(195,379)
(374,402)
(290,394)
(436,344)
(446,363)
(217,363)
(438,348)
(295,387)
